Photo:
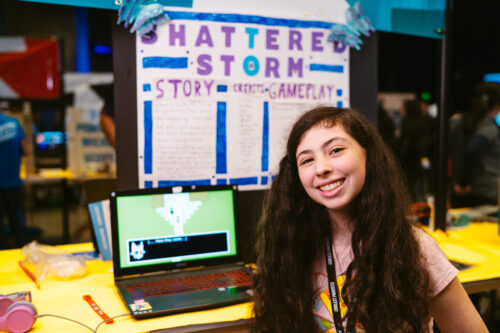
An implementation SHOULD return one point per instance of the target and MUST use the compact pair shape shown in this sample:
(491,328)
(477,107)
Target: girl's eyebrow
(323,146)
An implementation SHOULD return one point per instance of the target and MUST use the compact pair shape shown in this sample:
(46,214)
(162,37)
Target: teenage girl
(336,251)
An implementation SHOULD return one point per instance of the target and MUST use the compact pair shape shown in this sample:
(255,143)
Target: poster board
(217,94)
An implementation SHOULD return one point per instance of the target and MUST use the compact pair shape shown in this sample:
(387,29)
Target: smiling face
(332,167)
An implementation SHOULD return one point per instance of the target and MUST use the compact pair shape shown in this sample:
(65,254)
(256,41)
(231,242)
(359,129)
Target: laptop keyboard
(237,278)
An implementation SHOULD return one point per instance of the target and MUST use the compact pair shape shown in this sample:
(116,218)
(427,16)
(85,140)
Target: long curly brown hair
(387,286)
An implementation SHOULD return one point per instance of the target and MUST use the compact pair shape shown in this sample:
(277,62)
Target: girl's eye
(336,151)
(305,161)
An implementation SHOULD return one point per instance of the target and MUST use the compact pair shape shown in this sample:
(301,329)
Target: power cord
(80,323)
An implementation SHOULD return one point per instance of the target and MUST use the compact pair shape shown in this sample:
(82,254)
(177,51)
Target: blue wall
(409,17)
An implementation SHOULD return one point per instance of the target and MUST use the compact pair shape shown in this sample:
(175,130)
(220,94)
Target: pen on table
(29,273)
(97,309)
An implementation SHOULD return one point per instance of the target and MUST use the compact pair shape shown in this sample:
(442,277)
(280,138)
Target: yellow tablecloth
(64,298)
(477,244)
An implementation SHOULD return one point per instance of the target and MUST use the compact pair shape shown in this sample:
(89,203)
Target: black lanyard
(334,289)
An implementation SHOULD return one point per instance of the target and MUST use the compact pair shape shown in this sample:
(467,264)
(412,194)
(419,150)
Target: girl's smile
(329,188)
(332,167)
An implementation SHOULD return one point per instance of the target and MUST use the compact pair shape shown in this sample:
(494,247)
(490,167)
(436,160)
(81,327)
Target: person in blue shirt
(12,146)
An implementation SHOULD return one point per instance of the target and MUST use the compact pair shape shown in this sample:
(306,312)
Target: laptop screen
(174,225)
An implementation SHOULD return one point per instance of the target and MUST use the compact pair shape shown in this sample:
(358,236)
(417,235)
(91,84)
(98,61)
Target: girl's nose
(323,167)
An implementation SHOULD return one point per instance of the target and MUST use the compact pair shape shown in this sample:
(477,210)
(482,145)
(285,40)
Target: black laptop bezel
(122,272)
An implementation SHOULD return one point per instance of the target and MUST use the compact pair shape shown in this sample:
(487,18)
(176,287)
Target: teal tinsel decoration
(144,15)
(357,24)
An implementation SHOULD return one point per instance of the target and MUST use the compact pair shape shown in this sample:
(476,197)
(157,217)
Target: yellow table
(478,245)
(64,298)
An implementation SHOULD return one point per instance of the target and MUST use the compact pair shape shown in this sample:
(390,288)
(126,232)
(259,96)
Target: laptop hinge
(177,270)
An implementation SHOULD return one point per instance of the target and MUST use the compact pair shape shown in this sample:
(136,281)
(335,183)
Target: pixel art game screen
(175,227)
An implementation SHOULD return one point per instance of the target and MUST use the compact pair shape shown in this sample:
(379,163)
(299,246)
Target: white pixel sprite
(177,210)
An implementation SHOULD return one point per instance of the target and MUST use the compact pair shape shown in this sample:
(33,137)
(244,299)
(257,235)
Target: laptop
(175,249)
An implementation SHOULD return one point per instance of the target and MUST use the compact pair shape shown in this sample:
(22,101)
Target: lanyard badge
(334,288)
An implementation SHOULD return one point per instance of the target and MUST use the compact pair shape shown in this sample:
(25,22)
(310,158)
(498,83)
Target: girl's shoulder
(441,270)
(422,235)
(428,245)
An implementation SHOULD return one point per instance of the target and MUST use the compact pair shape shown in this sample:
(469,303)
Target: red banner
(32,73)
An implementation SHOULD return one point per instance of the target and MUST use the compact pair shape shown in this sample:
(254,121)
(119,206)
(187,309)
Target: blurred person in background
(12,146)
(416,148)
(475,149)
(107,115)
(387,128)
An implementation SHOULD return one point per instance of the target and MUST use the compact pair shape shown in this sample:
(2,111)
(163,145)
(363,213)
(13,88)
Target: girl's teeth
(332,186)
